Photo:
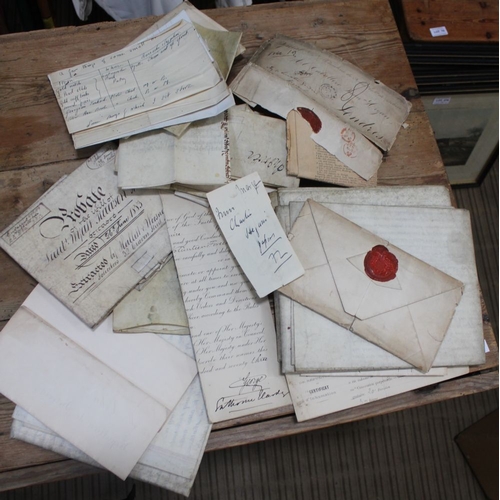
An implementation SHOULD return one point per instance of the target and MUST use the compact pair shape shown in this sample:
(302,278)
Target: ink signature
(251,390)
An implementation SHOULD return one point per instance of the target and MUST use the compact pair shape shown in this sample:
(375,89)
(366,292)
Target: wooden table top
(464,20)
(36,150)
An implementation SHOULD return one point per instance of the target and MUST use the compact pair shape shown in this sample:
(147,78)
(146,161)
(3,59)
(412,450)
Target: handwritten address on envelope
(245,216)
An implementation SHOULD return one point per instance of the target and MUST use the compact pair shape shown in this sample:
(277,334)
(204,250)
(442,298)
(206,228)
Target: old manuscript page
(244,213)
(352,114)
(232,329)
(88,242)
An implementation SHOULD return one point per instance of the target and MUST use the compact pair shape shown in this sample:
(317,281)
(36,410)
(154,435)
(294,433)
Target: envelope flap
(363,297)
(306,241)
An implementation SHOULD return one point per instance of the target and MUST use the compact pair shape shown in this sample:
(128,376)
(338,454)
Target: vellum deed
(231,328)
(87,242)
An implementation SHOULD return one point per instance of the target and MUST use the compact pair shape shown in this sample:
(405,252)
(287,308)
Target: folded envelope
(407,315)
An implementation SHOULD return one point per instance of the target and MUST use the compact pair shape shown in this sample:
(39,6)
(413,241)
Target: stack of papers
(80,383)
(209,154)
(159,259)
(349,113)
(319,350)
(167,77)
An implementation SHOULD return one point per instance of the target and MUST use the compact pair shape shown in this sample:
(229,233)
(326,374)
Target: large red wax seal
(380,264)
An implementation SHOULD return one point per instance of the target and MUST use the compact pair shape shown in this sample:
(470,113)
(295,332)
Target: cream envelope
(407,316)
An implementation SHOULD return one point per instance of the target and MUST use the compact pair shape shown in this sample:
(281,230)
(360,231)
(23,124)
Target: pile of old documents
(185,233)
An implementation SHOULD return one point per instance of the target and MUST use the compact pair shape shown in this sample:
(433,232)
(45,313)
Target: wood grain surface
(464,20)
(36,150)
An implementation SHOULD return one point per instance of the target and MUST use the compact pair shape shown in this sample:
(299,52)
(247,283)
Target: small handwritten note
(244,213)
(232,329)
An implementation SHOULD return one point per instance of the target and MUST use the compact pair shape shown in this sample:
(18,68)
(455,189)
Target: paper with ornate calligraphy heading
(245,216)
(352,115)
(232,329)
(88,242)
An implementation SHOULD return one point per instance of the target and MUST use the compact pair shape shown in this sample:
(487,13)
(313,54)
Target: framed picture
(466,131)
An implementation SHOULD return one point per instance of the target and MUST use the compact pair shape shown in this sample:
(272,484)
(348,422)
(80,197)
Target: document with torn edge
(172,459)
(76,395)
(351,114)
(157,307)
(224,46)
(232,329)
(371,287)
(88,242)
(243,212)
(140,86)
(308,160)
(210,153)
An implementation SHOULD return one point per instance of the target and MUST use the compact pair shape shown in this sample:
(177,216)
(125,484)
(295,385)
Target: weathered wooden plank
(46,473)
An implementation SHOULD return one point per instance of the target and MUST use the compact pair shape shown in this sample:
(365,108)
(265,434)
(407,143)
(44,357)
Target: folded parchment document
(210,153)
(88,242)
(352,115)
(157,307)
(172,459)
(308,160)
(418,219)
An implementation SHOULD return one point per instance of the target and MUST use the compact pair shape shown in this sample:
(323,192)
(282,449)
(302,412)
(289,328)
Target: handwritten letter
(232,329)
(244,213)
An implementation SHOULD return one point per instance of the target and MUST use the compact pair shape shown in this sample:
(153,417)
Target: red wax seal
(312,118)
(380,264)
